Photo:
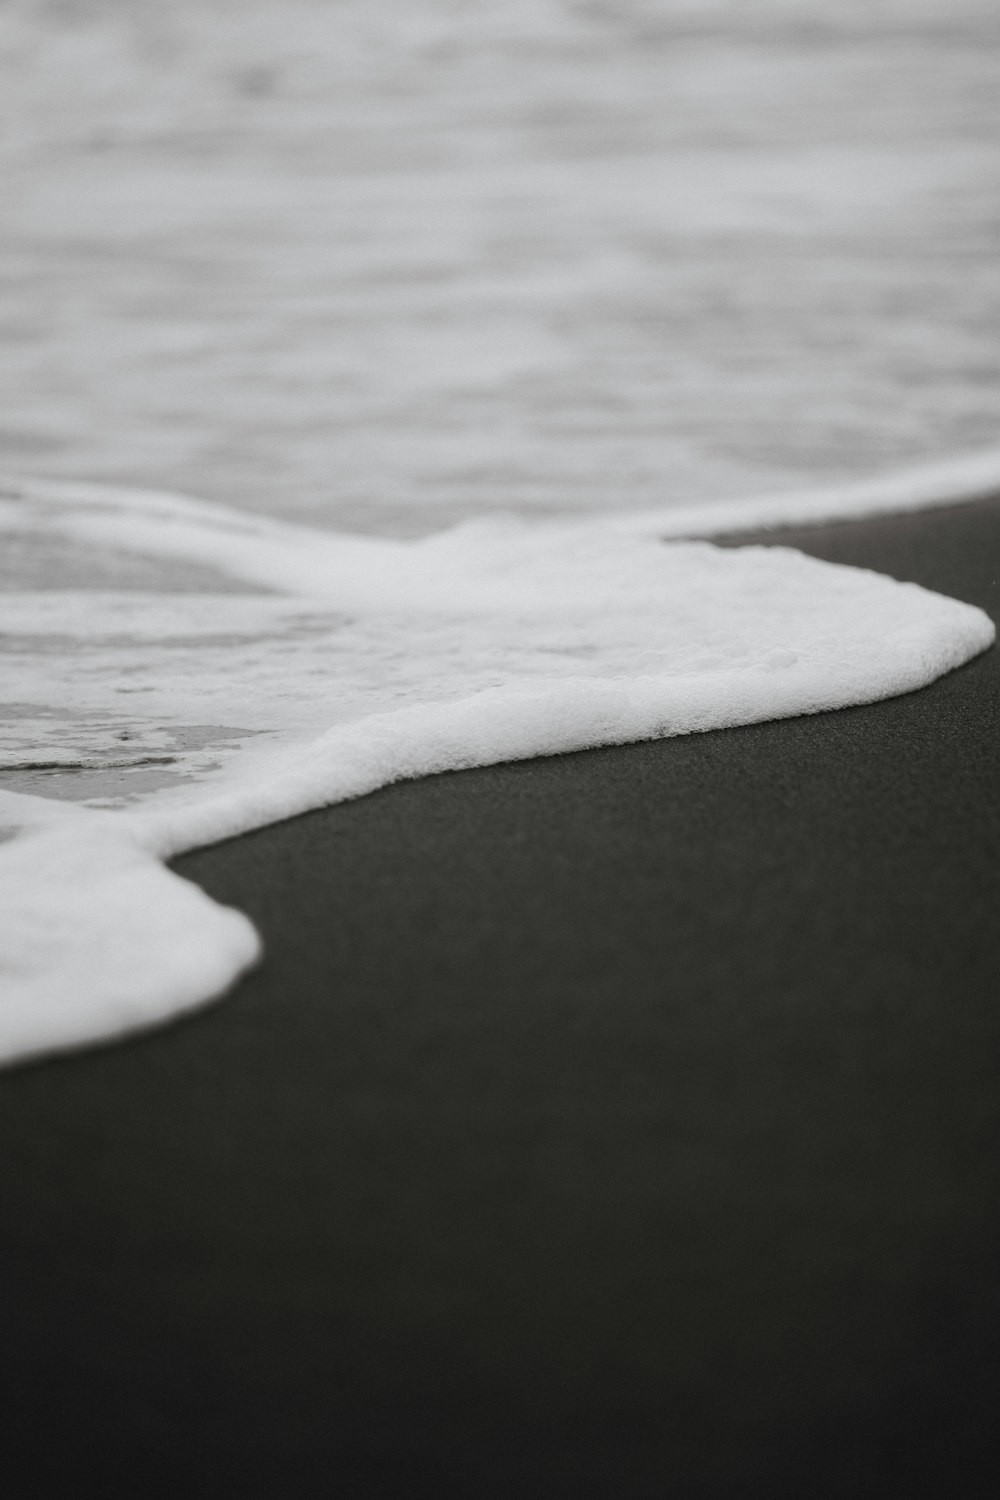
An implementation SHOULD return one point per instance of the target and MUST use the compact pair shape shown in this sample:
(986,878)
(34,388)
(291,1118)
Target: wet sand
(617,1124)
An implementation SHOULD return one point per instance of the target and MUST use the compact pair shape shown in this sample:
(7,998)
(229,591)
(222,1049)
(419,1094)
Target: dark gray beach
(616,1124)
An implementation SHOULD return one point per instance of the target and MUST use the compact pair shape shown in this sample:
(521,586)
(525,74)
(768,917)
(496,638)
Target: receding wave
(353,661)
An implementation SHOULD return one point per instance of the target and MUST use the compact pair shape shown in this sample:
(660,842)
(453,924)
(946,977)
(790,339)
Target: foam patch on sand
(357,661)
(101,939)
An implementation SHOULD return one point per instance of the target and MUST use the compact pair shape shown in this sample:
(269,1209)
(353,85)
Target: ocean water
(384,264)
(448,314)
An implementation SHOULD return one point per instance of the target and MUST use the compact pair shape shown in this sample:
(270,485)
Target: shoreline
(616,1122)
(517,642)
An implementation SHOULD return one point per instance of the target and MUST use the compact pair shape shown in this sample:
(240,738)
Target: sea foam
(155,722)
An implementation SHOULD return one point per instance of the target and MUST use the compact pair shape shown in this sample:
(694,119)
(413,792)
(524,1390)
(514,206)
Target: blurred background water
(383,264)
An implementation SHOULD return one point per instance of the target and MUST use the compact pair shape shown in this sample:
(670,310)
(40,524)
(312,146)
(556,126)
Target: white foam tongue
(497,641)
(100,938)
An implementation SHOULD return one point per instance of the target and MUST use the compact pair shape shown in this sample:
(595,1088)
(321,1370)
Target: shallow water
(388,263)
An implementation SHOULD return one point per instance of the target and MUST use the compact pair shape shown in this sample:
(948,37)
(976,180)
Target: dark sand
(623,1124)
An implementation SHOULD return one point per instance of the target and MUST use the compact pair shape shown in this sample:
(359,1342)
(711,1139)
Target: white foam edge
(101,940)
(95,914)
(105,941)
